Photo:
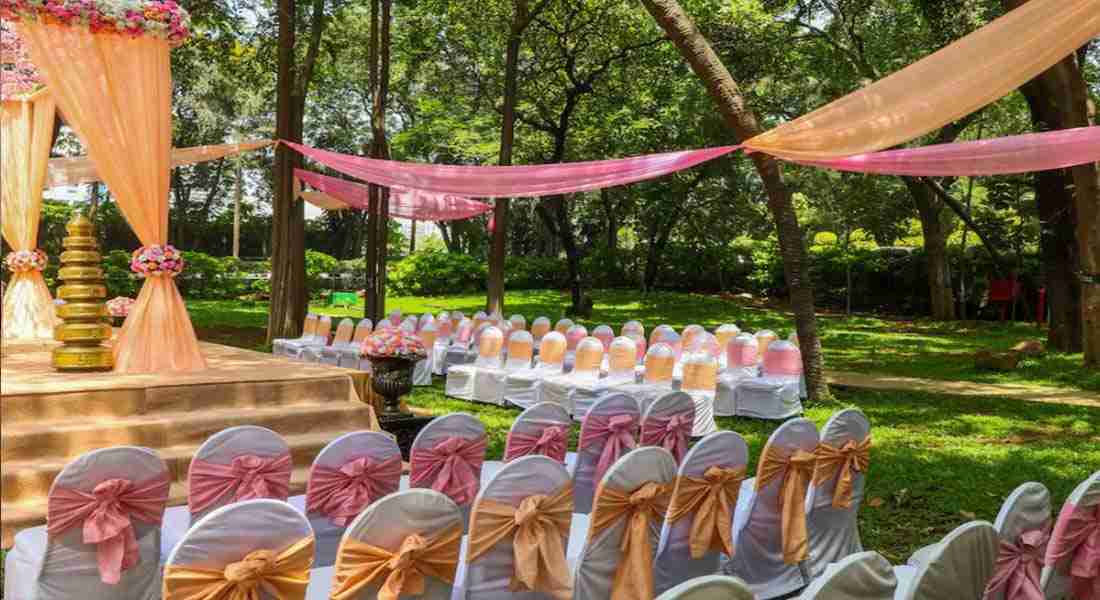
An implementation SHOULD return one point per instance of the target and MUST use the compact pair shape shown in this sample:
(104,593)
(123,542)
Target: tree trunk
(412,237)
(378,220)
(942,301)
(742,120)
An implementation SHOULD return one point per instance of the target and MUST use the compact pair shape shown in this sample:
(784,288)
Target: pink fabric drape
(615,433)
(80,169)
(551,442)
(1076,536)
(107,516)
(342,493)
(452,466)
(670,433)
(786,361)
(1019,566)
(404,203)
(247,477)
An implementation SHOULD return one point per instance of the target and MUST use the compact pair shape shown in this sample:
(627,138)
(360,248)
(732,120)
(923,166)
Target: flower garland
(120,306)
(157,18)
(156,260)
(18,75)
(24,261)
(394,343)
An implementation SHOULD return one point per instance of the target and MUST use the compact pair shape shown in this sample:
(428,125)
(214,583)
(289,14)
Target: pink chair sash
(1077,537)
(342,493)
(106,515)
(616,433)
(671,434)
(249,477)
(1019,567)
(551,443)
(452,466)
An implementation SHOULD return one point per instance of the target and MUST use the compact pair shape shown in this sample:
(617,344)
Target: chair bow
(551,442)
(539,528)
(796,470)
(248,476)
(282,576)
(452,466)
(342,493)
(852,456)
(616,433)
(670,433)
(1077,537)
(399,573)
(1019,566)
(106,515)
(640,508)
(711,499)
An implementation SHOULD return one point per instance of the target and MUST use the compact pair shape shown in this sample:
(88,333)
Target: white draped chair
(583,379)
(563,325)
(710,587)
(631,328)
(462,379)
(419,531)
(519,322)
(490,384)
(656,376)
(608,431)
(836,492)
(622,361)
(309,329)
(658,331)
(394,317)
(422,371)
(424,320)
(723,335)
(456,317)
(639,350)
(409,324)
(344,332)
(522,387)
(458,352)
(860,576)
(617,553)
(1071,553)
(776,394)
(539,328)
(689,335)
(480,318)
(668,423)
(351,472)
(444,329)
(700,381)
(768,546)
(294,349)
(541,430)
(605,334)
(447,456)
(741,363)
(119,493)
(707,485)
(957,568)
(764,338)
(667,336)
(573,337)
(348,355)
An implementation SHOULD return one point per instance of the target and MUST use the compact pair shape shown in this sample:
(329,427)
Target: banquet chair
(656,376)
(235,464)
(573,338)
(490,384)
(769,525)
(344,331)
(688,335)
(860,576)
(700,380)
(617,557)
(542,430)
(294,349)
(447,456)
(519,322)
(539,328)
(460,345)
(279,345)
(456,317)
(424,320)
(118,493)
(409,324)
(442,342)
(658,331)
(348,356)
(522,387)
(519,532)
(723,335)
(585,377)
(348,474)
(563,325)
(254,546)
(668,422)
(607,432)
(422,371)
(622,360)
(632,328)
(462,379)
(776,393)
(707,485)
(605,334)
(764,338)
(843,455)
(741,363)
(710,587)
(480,318)
(639,351)
(404,538)
(958,568)
(394,317)
(1071,553)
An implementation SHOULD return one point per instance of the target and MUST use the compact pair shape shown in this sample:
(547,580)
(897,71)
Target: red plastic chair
(1004,291)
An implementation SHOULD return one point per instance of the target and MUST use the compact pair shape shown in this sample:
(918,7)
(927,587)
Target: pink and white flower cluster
(394,343)
(23,261)
(156,260)
(120,306)
(18,75)
(158,18)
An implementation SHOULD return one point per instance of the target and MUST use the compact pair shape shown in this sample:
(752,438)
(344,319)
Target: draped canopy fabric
(953,82)
(26,128)
(81,169)
(115,91)
(338,194)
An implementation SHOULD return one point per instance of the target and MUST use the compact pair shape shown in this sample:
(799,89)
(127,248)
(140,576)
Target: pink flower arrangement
(18,75)
(158,18)
(120,306)
(23,261)
(394,343)
(156,260)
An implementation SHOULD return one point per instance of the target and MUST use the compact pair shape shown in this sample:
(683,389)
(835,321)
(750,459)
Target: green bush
(534,273)
(433,273)
(116,271)
(316,264)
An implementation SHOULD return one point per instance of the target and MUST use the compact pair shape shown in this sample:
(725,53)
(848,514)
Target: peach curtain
(955,81)
(115,91)
(26,130)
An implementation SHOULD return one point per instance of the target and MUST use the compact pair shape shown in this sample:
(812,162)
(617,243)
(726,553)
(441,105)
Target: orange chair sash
(796,470)
(284,576)
(399,573)
(852,456)
(641,507)
(710,500)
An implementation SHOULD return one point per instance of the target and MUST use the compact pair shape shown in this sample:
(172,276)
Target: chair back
(608,431)
(622,357)
(539,328)
(764,338)
(395,317)
(409,324)
(521,350)
(710,587)
(424,320)
(741,351)
(464,334)
(542,429)
(323,330)
(233,535)
(671,339)
(700,373)
(239,463)
(667,423)
(1070,555)
(605,334)
(1023,526)
(552,352)
(362,332)
(631,328)
(519,322)
(447,456)
(725,333)
(659,363)
(344,331)
(456,318)
(689,334)
(639,347)
(705,342)
(574,336)
(958,567)
(480,318)
(589,357)
(428,334)
(443,328)
(783,360)
(310,325)
(864,575)
(489,345)
(563,325)
(655,335)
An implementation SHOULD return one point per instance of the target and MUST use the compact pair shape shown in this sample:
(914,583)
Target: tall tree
(742,120)
(378,219)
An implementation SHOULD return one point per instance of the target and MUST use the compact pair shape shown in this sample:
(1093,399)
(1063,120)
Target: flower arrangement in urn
(393,353)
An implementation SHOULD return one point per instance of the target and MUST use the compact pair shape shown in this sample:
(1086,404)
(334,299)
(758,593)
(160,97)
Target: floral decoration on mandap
(120,306)
(24,261)
(156,18)
(18,75)
(156,260)
(394,343)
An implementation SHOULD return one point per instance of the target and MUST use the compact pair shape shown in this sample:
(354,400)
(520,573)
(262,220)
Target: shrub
(433,272)
(534,273)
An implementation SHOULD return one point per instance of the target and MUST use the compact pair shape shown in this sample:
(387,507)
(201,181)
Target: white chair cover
(228,534)
(584,475)
(424,320)
(342,337)
(462,379)
(699,381)
(295,348)
(530,423)
(632,328)
(445,329)
(490,384)
(764,338)
(422,371)
(674,564)
(349,355)
(661,415)
(658,331)
(573,337)
(757,532)
(583,380)
(463,425)
(1027,509)
(602,553)
(563,325)
(833,533)
(621,361)
(710,587)
(457,352)
(63,568)
(519,322)
(958,568)
(279,345)
(723,335)
(656,376)
(741,363)
(861,576)
(522,388)
(394,317)
(539,328)
(376,446)
(409,324)
(689,335)
(605,334)
(773,395)
(1084,498)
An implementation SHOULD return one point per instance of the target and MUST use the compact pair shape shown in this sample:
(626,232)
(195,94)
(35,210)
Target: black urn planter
(391,378)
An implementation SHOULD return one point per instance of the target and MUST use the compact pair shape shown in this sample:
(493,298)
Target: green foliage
(116,271)
(433,272)
(534,273)
(318,263)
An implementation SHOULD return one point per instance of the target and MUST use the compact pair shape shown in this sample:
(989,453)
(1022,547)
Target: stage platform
(47,418)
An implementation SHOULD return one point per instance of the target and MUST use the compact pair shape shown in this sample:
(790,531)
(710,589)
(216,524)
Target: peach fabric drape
(81,169)
(397,574)
(647,504)
(115,91)
(283,575)
(26,130)
(852,456)
(710,501)
(539,528)
(955,81)
(797,470)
